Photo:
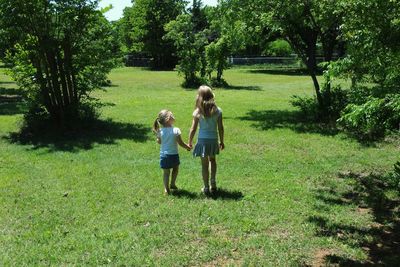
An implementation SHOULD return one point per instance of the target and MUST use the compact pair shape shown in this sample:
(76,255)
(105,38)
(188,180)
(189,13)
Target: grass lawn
(292,193)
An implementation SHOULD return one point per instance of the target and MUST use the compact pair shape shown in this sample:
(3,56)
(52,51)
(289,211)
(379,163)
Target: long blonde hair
(205,101)
(163,116)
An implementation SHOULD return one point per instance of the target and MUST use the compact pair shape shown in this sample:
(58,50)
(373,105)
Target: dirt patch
(362,210)
(224,261)
(320,257)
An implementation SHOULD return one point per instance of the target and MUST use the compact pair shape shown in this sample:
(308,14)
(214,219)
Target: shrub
(308,106)
(371,119)
(278,48)
(335,100)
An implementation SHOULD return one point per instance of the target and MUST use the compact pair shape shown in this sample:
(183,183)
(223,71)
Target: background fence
(134,61)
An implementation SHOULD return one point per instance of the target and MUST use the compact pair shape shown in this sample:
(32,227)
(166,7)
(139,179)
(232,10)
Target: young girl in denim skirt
(208,116)
(169,137)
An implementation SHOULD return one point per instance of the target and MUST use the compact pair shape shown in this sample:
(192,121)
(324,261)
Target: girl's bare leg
(166,180)
(175,171)
(213,164)
(205,171)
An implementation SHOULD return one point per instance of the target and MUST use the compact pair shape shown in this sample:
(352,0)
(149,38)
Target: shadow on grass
(182,193)
(373,194)
(283,71)
(280,119)
(83,137)
(11,91)
(242,87)
(11,101)
(226,86)
(221,194)
(225,194)
(7,82)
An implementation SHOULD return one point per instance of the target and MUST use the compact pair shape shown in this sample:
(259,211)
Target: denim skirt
(206,147)
(169,161)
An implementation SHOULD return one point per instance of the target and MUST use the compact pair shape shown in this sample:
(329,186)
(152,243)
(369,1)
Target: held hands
(189,147)
(222,145)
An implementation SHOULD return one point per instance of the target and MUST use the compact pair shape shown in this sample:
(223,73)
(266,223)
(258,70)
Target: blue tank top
(208,125)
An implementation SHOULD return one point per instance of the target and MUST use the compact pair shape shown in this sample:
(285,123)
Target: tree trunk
(219,73)
(69,71)
(62,74)
(44,90)
(317,89)
(59,109)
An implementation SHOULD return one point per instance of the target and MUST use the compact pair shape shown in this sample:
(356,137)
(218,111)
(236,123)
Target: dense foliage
(143,30)
(63,51)
(372,31)
(190,46)
(278,48)
(190,34)
(304,24)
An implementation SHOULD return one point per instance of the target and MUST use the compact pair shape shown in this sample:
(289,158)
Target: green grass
(96,199)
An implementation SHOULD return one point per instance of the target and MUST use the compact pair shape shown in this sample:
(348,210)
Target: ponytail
(156,126)
(163,116)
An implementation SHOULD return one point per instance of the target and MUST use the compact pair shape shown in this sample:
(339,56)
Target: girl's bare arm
(157,133)
(220,125)
(181,143)
(193,129)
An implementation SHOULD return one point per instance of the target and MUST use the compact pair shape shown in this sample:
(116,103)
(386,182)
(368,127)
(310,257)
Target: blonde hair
(162,118)
(205,102)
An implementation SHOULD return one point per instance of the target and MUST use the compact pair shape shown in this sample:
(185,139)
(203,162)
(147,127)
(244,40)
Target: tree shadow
(11,101)
(226,87)
(294,120)
(7,82)
(283,71)
(373,194)
(11,91)
(242,87)
(82,137)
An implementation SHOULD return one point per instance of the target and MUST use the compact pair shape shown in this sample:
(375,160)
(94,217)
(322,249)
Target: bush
(308,106)
(278,48)
(335,100)
(194,82)
(371,120)
(37,120)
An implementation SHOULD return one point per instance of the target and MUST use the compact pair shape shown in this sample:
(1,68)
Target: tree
(225,37)
(217,54)
(64,50)
(372,32)
(189,45)
(303,24)
(190,36)
(244,21)
(144,29)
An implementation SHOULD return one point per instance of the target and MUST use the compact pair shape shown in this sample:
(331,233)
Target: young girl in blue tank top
(169,137)
(208,116)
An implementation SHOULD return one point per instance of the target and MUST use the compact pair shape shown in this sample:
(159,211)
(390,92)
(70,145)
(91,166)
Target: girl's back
(208,125)
(169,145)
